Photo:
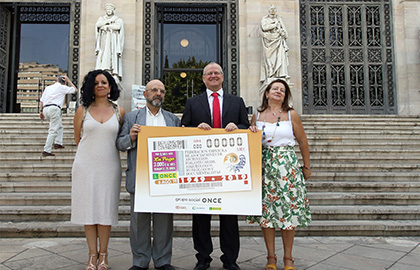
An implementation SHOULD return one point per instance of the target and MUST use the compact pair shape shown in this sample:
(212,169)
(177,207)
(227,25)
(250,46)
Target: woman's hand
(253,128)
(307,172)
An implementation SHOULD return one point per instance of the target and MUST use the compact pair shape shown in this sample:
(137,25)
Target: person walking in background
(51,103)
(96,172)
(140,227)
(284,201)
(215,109)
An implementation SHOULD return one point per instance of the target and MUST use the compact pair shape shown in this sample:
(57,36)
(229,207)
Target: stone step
(324,143)
(325,118)
(366,179)
(56,165)
(352,176)
(40,131)
(312,186)
(368,228)
(315,159)
(17,177)
(318,186)
(313,136)
(316,154)
(315,198)
(362,198)
(45,199)
(359,167)
(318,212)
(71,149)
(317,176)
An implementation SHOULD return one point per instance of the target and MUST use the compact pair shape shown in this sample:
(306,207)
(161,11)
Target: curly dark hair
(87,91)
(287,98)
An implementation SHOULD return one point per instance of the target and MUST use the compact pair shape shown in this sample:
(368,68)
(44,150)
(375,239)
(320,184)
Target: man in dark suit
(227,112)
(140,237)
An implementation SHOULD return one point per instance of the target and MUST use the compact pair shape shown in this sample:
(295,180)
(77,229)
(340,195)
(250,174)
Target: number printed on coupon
(199,164)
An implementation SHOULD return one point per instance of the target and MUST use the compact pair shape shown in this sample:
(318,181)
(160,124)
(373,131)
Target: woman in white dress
(96,172)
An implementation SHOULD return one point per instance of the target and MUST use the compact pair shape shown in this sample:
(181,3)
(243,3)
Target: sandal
(289,267)
(103,265)
(91,263)
(271,266)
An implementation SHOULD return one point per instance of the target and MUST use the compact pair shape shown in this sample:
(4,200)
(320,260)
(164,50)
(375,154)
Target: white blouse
(281,135)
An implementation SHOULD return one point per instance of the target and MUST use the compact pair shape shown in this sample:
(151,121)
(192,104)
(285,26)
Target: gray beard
(155,102)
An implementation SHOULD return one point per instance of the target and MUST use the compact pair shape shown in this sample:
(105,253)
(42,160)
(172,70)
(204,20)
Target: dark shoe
(58,146)
(135,267)
(166,267)
(46,154)
(202,266)
(232,266)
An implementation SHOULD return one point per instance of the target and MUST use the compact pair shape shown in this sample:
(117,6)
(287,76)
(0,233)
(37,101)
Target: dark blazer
(124,141)
(197,110)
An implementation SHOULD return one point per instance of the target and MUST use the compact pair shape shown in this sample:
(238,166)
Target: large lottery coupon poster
(189,170)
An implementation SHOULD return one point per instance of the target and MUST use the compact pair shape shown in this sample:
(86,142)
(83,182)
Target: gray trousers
(140,237)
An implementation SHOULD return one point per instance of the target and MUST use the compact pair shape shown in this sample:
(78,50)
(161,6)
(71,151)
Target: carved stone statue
(110,42)
(275,51)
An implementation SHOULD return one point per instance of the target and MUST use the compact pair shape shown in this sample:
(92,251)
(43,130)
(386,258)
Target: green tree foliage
(178,89)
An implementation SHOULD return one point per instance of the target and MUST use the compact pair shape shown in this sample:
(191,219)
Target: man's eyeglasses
(213,73)
(155,90)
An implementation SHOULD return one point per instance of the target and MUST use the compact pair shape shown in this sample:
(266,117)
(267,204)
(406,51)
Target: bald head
(153,83)
(154,94)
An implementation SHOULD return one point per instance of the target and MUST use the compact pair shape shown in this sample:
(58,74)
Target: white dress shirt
(211,98)
(156,120)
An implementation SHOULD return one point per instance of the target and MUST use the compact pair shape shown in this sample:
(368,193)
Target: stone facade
(407,55)
(406,40)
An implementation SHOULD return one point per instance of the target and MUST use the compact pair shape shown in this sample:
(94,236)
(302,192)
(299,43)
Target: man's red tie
(217,123)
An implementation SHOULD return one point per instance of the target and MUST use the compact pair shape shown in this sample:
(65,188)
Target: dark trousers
(229,238)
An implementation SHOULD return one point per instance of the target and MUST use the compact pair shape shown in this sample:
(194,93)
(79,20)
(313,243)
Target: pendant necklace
(274,132)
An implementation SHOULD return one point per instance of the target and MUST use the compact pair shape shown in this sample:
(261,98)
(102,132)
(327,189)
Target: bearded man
(140,223)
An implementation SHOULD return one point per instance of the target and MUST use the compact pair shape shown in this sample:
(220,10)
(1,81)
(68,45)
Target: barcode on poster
(200,185)
(169,145)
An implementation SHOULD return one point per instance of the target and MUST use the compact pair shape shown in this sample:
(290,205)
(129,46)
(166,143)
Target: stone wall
(131,12)
(250,14)
(406,25)
(407,55)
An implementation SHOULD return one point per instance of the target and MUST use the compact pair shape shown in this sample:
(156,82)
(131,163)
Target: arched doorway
(185,38)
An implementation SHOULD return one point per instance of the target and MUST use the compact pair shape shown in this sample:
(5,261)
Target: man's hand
(204,126)
(41,115)
(231,127)
(135,129)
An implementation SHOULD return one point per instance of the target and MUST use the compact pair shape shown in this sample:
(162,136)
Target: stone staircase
(366,179)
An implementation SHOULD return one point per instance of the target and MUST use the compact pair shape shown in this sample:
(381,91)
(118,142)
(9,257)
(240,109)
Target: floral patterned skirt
(285,204)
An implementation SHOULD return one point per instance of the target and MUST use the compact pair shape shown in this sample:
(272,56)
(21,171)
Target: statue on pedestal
(275,50)
(110,42)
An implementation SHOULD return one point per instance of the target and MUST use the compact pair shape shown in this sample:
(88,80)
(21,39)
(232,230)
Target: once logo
(164,175)
(211,200)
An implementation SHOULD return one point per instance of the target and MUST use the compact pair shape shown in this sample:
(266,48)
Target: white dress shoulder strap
(85,111)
